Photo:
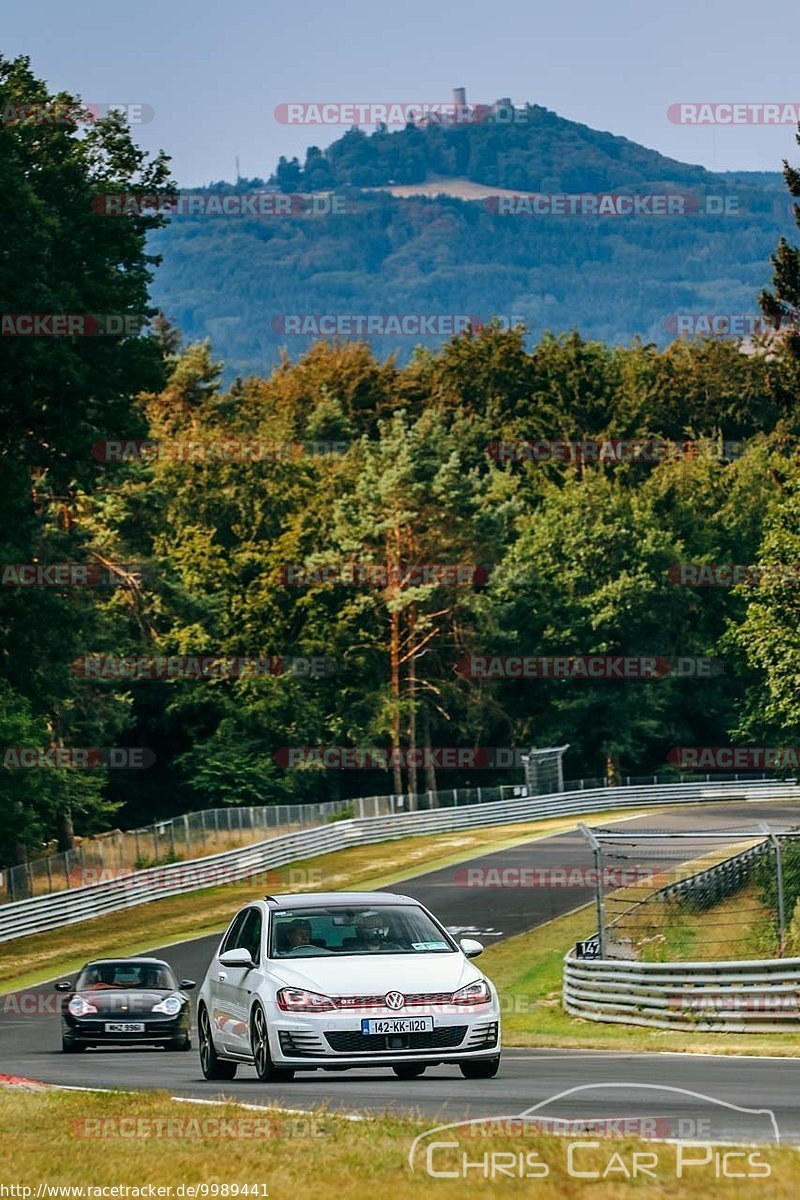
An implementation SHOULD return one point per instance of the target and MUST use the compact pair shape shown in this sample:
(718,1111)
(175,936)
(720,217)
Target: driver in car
(103,977)
(298,934)
(372,933)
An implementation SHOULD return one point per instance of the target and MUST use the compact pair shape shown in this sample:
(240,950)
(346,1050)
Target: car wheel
(485,1068)
(259,1041)
(213,1067)
(409,1070)
(70,1047)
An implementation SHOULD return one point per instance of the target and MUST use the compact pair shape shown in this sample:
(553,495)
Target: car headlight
(473,993)
(171,1006)
(79,1007)
(297,1000)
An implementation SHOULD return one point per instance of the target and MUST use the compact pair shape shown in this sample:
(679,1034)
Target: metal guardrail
(210,831)
(754,996)
(41,913)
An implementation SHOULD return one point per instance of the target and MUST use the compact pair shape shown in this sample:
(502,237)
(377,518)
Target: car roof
(337,899)
(135,959)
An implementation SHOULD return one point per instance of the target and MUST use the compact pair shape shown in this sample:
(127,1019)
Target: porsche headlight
(78,1007)
(171,1006)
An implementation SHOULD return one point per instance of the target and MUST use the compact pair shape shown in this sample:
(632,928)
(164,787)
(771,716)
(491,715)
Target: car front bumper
(335,1040)
(92,1032)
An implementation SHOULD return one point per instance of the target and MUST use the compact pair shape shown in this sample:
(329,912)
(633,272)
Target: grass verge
(527,971)
(43,1142)
(38,957)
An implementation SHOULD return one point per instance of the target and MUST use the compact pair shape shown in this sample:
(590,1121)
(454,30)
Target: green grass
(322,1157)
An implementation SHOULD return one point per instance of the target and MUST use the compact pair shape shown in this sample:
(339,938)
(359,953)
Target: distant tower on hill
(459,96)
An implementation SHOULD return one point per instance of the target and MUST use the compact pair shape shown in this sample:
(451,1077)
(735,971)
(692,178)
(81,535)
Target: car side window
(250,934)
(232,936)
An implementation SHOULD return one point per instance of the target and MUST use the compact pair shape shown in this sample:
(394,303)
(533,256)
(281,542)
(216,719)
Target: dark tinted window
(378,929)
(126,975)
(230,941)
(249,935)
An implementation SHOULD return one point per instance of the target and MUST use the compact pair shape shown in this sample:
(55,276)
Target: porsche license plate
(124,1027)
(397,1025)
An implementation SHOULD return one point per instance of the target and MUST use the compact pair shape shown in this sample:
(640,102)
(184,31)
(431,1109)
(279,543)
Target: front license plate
(124,1027)
(397,1025)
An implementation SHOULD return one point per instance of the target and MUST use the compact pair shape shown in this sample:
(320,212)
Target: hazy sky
(214,72)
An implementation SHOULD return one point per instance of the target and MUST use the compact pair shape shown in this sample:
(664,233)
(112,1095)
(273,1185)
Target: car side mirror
(64,986)
(236,958)
(186,985)
(471,947)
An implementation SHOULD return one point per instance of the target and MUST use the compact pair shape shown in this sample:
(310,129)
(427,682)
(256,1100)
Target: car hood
(357,975)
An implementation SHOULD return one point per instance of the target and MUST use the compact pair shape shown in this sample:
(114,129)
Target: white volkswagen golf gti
(345,979)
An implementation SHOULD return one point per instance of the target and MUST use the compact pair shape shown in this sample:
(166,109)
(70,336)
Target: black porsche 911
(125,1001)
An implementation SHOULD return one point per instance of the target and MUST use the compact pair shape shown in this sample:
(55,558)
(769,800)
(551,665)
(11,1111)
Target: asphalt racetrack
(672,1087)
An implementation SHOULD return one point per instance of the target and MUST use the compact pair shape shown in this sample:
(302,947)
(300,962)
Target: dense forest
(373,463)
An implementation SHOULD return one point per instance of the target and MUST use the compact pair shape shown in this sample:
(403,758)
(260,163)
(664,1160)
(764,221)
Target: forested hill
(235,279)
(537,151)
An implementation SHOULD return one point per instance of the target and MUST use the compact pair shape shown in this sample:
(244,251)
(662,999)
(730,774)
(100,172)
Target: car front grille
(412,1000)
(354,1042)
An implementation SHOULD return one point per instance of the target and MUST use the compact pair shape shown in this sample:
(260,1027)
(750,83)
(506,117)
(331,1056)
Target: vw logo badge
(395,999)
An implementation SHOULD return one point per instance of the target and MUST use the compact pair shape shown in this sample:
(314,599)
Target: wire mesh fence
(210,831)
(690,896)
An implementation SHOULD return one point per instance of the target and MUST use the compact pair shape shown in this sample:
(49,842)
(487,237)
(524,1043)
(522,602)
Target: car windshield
(96,977)
(365,929)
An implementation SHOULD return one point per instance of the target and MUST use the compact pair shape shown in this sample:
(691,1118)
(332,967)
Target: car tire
(266,1071)
(409,1070)
(212,1067)
(70,1047)
(482,1068)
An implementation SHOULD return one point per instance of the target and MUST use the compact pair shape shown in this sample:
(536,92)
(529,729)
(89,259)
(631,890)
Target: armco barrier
(41,913)
(758,996)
